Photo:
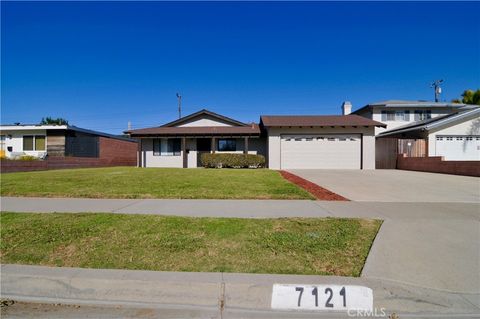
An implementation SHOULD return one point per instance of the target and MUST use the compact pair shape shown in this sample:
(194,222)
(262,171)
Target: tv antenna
(179,97)
(438,89)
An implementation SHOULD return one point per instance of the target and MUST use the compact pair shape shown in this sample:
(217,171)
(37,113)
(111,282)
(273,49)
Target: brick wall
(118,151)
(438,165)
(113,152)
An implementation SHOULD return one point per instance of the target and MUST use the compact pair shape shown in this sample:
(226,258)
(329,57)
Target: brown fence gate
(387,149)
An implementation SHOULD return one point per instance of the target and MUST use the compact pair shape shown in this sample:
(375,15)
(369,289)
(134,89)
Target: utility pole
(179,97)
(438,89)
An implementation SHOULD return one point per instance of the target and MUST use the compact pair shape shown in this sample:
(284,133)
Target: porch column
(139,153)
(245,148)
(184,152)
(214,145)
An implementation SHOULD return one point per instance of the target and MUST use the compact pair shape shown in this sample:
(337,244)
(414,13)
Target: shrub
(28,158)
(232,160)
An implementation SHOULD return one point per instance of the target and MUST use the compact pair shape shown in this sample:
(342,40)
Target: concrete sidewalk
(244,208)
(217,293)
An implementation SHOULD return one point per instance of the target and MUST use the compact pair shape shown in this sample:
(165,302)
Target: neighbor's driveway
(395,185)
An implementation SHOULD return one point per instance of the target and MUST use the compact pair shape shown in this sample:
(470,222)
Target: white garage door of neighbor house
(458,147)
(320,151)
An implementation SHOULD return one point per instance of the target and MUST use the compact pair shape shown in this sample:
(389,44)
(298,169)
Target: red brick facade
(438,165)
(118,151)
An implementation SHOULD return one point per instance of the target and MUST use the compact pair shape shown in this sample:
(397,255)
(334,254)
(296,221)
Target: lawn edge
(317,191)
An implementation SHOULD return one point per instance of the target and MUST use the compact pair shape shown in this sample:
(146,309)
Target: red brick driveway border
(320,193)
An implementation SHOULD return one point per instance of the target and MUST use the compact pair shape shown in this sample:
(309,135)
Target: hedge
(232,160)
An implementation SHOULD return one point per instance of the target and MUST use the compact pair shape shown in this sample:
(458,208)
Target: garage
(329,151)
(458,147)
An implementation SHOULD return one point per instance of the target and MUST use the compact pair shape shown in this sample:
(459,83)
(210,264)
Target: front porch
(185,151)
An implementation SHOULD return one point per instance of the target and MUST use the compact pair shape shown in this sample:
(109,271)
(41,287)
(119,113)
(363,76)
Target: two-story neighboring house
(421,128)
(396,113)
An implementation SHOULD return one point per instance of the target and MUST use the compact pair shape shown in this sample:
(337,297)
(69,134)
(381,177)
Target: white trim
(32,127)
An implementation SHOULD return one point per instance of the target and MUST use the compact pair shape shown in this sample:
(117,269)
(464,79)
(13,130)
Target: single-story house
(316,141)
(455,136)
(62,140)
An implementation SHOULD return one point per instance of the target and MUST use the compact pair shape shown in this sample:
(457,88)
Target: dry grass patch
(321,246)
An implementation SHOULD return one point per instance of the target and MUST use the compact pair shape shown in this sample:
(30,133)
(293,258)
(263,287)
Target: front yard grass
(320,246)
(132,182)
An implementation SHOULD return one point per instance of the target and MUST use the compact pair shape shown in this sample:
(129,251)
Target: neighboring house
(420,128)
(62,140)
(286,141)
(396,113)
(455,136)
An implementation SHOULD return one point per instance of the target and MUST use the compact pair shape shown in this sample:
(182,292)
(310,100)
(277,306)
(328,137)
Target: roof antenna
(438,89)
(179,97)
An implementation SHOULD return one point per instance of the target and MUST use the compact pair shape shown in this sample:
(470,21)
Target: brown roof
(252,129)
(317,120)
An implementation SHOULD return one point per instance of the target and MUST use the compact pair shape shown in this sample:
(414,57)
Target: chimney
(346,108)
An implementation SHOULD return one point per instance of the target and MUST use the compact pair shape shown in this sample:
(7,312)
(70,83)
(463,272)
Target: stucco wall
(205,121)
(368,140)
(16,141)
(150,160)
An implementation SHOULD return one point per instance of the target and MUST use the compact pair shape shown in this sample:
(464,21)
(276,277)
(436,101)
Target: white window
(421,115)
(34,142)
(449,138)
(388,116)
(439,138)
(331,138)
(166,147)
(309,139)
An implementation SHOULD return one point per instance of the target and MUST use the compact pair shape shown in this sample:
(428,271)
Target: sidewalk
(245,208)
(223,293)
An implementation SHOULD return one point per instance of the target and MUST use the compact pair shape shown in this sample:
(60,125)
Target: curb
(224,292)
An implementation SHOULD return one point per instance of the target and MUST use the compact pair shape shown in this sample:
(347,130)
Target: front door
(204,145)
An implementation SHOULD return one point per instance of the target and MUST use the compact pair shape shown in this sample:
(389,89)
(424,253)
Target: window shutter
(406,116)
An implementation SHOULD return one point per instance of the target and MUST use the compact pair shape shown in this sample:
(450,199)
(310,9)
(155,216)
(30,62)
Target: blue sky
(102,64)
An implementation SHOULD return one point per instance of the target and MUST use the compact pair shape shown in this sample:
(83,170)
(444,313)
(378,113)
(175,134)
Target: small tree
(469,97)
(51,121)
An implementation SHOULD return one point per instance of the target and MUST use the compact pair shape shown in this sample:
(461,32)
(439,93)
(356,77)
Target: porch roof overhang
(197,131)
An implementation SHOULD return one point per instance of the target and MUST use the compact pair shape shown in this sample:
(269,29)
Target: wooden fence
(387,149)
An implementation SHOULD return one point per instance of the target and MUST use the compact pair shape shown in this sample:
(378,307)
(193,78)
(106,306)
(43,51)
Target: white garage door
(320,151)
(458,147)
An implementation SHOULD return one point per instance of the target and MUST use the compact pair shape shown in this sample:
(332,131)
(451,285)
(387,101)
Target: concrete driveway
(395,185)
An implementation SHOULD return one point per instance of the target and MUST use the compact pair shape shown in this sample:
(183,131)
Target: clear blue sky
(101,64)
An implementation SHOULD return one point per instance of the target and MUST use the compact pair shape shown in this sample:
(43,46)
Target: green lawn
(321,246)
(132,182)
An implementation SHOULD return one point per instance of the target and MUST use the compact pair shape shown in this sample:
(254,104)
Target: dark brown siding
(56,142)
(386,153)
